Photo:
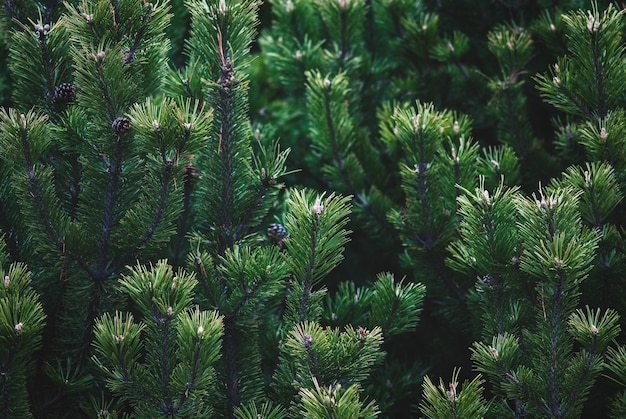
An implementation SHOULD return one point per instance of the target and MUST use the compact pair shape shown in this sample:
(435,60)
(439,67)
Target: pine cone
(121,125)
(277,232)
(129,57)
(64,93)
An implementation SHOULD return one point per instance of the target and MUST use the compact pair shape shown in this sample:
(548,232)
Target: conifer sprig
(451,401)
(37,81)
(395,305)
(588,81)
(512,47)
(163,365)
(22,320)
(221,35)
(335,401)
(307,361)
(317,236)
(558,251)
(435,151)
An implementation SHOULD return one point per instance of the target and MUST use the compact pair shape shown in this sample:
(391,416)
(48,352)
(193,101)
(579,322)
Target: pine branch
(167,405)
(114,170)
(334,141)
(598,65)
(156,220)
(102,84)
(244,223)
(307,278)
(576,394)
(189,179)
(555,342)
(335,138)
(232,375)
(225,145)
(466,402)
(9,235)
(315,245)
(35,190)
(92,313)
(48,70)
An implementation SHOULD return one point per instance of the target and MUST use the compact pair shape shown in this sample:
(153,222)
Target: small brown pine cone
(121,125)
(64,93)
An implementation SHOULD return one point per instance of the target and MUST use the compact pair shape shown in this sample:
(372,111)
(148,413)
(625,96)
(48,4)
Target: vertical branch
(183,224)
(307,284)
(330,123)
(110,200)
(555,341)
(156,220)
(102,85)
(232,367)
(163,323)
(598,66)
(369,28)
(225,145)
(420,171)
(93,310)
(195,370)
(44,217)
(45,58)
(227,234)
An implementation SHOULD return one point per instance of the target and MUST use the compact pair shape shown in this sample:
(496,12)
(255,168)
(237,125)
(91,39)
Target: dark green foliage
(22,320)
(586,82)
(315,246)
(164,365)
(532,362)
(312,356)
(298,208)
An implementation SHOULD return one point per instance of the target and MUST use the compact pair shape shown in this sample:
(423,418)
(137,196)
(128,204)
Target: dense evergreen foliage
(312,208)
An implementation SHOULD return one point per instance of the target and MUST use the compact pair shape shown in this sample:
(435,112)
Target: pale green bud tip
(343,4)
(558,263)
(318,207)
(451,394)
(592,24)
(494,352)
